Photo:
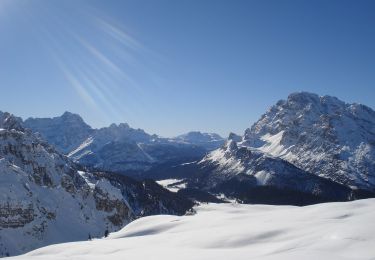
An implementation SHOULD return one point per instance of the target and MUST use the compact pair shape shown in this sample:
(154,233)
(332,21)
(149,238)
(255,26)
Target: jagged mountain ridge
(236,171)
(46,198)
(322,135)
(119,147)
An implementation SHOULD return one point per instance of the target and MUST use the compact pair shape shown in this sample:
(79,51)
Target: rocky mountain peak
(9,121)
(121,132)
(230,145)
(311,101)
(234,137)
(119,126)
(303,98)
(65,132)
(72,118)
(320,134)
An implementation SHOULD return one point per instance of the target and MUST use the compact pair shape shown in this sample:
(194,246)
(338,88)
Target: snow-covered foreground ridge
(343,230)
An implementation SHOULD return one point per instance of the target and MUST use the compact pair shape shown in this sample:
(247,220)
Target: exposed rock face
(46,199)
(322,135)
(14,216)
(43,192)
(9,121)
(234,137)
(106,201)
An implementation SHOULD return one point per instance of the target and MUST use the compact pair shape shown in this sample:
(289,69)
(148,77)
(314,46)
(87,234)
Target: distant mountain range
(119,148)
(60,176)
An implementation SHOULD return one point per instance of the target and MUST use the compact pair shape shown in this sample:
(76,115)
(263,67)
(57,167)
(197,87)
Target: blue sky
(172,66)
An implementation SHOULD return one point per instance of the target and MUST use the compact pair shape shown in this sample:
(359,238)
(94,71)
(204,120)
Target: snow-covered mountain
(253,176)
(45,198)
(321,135)
(64,132)
(303,150)
(114,148)
(119,148)
(332,231)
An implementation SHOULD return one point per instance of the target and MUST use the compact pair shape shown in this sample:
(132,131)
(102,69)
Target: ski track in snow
(343,230)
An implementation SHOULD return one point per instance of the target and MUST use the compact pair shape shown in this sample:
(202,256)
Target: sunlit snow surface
(173,185)
(343,230)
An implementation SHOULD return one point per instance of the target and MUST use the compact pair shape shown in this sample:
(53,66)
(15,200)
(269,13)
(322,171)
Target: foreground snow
(232,231)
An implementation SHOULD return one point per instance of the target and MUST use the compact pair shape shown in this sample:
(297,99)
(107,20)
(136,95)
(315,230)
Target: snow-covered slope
(46,199)
(322,135)
(332,231)
(173,185)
